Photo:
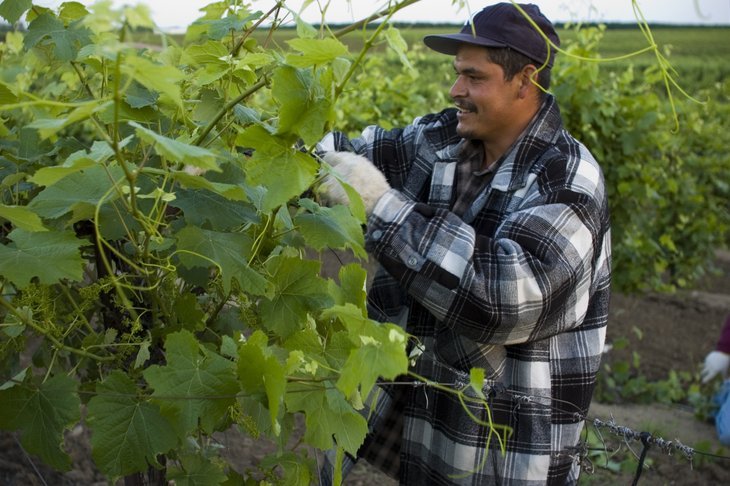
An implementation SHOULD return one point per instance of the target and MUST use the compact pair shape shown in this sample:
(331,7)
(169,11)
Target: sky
(171,14)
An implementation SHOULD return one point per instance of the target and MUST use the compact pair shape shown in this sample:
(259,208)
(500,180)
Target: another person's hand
(716,362)
(359,173)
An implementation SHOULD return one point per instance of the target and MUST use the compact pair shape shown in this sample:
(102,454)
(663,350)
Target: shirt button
(377,234)
(412,261)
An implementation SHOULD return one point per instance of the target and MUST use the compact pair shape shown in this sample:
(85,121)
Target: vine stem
(229,106)
(388,12)
(370,41)
(239,44)
(58,344)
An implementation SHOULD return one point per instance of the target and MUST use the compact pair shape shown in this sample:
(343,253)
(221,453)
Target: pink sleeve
(723,344)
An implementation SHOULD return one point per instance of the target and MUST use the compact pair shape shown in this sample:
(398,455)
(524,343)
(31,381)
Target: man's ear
(528,80)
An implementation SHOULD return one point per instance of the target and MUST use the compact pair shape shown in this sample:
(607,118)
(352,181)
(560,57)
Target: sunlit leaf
(22,217)
(381,351)
(156,77)
(315,51)
(259,370)
(100,152)
(305,106)
(177,151)
(281,169)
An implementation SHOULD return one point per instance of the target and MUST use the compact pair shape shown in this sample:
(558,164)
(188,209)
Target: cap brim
(449,43)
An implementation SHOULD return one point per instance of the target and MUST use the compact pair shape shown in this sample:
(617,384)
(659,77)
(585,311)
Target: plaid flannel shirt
(517,285)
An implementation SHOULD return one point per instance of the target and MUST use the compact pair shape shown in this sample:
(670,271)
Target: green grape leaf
(298,291)
(138,96)
(338,348)
(197,471)
(232,192)
(195,387)
(22,217)
(332,228)
(12,10)
(305,107)
(307,341)
(127,433)
(203,208)
(229,252)
(259,369)
(7,96)
(29,254)
(297,470)
(66,40)
(209,52)
(314,51)
(327,415)
(164,79)
(177,151)
(100,152)
(218,29)
(351,288)
(79,192)
(189,314)
(50,126)
(381,351)
(42,415)
(71,11)
(275,165)
(399,46)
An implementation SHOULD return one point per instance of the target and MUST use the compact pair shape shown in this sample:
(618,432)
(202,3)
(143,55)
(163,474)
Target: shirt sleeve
(391,151)
(530,280)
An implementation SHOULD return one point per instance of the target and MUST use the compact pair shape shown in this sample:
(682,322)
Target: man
(491,227)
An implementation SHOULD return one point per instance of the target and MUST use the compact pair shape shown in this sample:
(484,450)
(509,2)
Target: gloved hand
(716,362)
(359,173)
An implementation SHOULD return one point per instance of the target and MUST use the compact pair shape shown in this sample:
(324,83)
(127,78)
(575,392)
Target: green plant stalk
(365,48)
(260,238)
(129,174)
(76,307)
(493,428)
(369,42)
(230,105)
(247,34)
(58,344)
(82,78)
(387,12)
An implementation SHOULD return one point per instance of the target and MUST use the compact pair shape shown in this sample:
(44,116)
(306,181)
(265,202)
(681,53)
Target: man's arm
(530,280)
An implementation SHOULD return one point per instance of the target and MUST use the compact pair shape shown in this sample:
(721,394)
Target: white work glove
(716,362)
(358,172)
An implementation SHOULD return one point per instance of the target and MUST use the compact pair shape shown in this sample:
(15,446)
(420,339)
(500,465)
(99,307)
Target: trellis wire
(628,434)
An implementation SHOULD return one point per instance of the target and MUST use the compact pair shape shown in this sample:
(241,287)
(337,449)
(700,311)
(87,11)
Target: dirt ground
(677,331)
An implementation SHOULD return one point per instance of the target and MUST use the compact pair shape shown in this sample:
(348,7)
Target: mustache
(465,105)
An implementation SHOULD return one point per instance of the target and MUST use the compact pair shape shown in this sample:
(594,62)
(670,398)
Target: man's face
(486,102)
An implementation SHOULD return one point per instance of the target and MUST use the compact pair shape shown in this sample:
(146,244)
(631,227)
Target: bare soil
(676,333)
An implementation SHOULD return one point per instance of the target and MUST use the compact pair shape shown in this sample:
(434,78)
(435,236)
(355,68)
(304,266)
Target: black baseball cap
(502,25)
